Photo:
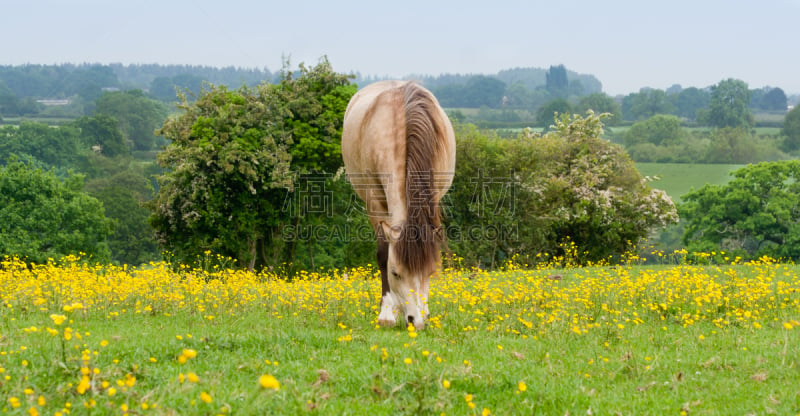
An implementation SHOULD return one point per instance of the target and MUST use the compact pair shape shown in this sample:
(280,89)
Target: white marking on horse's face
(407,291)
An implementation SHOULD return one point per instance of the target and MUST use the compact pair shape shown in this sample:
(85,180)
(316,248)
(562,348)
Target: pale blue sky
(625,44)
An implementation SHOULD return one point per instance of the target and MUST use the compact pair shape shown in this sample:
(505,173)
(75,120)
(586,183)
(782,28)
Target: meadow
(677,179)
(674,338)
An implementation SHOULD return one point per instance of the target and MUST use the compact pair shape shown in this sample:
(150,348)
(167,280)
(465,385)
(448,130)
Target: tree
(536,79)
(728,106)
(42,217)
(645,104)
(315,103)
(88,81)
(227,158)
(545,113)
(660,130)
(138,116)
(556,82)
(791,130)
(689,101)
(576,88)
(8,101)
(131,241)
(230,162)
(101,133)
(485,91)
(124,193)
(57,147)
(757,213)
(517,96)
(773,100)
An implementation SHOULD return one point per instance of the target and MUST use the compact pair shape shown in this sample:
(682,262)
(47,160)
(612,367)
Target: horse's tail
(421,236)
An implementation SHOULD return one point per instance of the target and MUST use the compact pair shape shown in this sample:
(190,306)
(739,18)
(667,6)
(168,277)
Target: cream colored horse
(399,151)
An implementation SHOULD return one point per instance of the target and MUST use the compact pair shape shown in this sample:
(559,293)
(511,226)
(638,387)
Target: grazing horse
(399,151)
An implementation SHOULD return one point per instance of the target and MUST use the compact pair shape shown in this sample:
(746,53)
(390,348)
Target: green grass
(52,121)
(610,349)
(677,179)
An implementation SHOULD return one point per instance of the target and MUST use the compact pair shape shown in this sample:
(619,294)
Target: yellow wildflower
(58,319)
(268,381)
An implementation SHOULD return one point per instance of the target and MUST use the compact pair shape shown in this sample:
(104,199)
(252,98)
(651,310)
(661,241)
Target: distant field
(762,131)
(52,121)
(676,179)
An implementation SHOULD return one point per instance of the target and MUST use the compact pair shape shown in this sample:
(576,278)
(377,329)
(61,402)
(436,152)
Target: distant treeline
(517,97)
(30,90)
(22,88)
(66,80)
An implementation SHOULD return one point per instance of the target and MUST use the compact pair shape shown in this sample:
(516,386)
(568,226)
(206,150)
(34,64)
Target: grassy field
(679,339)
(677,179)
(52,121)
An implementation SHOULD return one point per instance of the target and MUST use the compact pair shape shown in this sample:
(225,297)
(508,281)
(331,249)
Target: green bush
(549,194)
(43,218)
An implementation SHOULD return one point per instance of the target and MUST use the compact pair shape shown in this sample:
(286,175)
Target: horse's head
(408,285)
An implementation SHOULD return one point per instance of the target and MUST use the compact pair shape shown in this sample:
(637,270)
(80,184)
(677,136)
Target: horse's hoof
(387,322)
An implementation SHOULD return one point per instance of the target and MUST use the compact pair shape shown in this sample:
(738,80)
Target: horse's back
(372,122)
(372,149)
(374,144)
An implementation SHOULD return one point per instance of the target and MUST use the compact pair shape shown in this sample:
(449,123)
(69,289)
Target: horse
(399,153)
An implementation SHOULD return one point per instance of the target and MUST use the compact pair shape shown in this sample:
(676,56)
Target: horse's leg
(389,310)
(424,289)
(383,259)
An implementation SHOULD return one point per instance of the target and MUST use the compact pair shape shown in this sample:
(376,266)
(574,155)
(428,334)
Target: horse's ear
(389,232)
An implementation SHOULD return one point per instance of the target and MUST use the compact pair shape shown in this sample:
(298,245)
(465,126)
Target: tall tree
(226,158)
(138,116)
(315,102)
(131,241)
(774,100)
(791,130)
(660,130)
(728,106)
(230,160)
(556,81)
(54,147)
(8,101)
(88,81)
(101,133)
(645,104)
(42,217)
(689,101)
(485,91)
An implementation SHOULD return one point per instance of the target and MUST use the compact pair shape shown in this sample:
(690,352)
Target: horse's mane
(418,245)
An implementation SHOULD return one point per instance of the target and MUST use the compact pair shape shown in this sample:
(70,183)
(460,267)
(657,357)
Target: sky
(627,45)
